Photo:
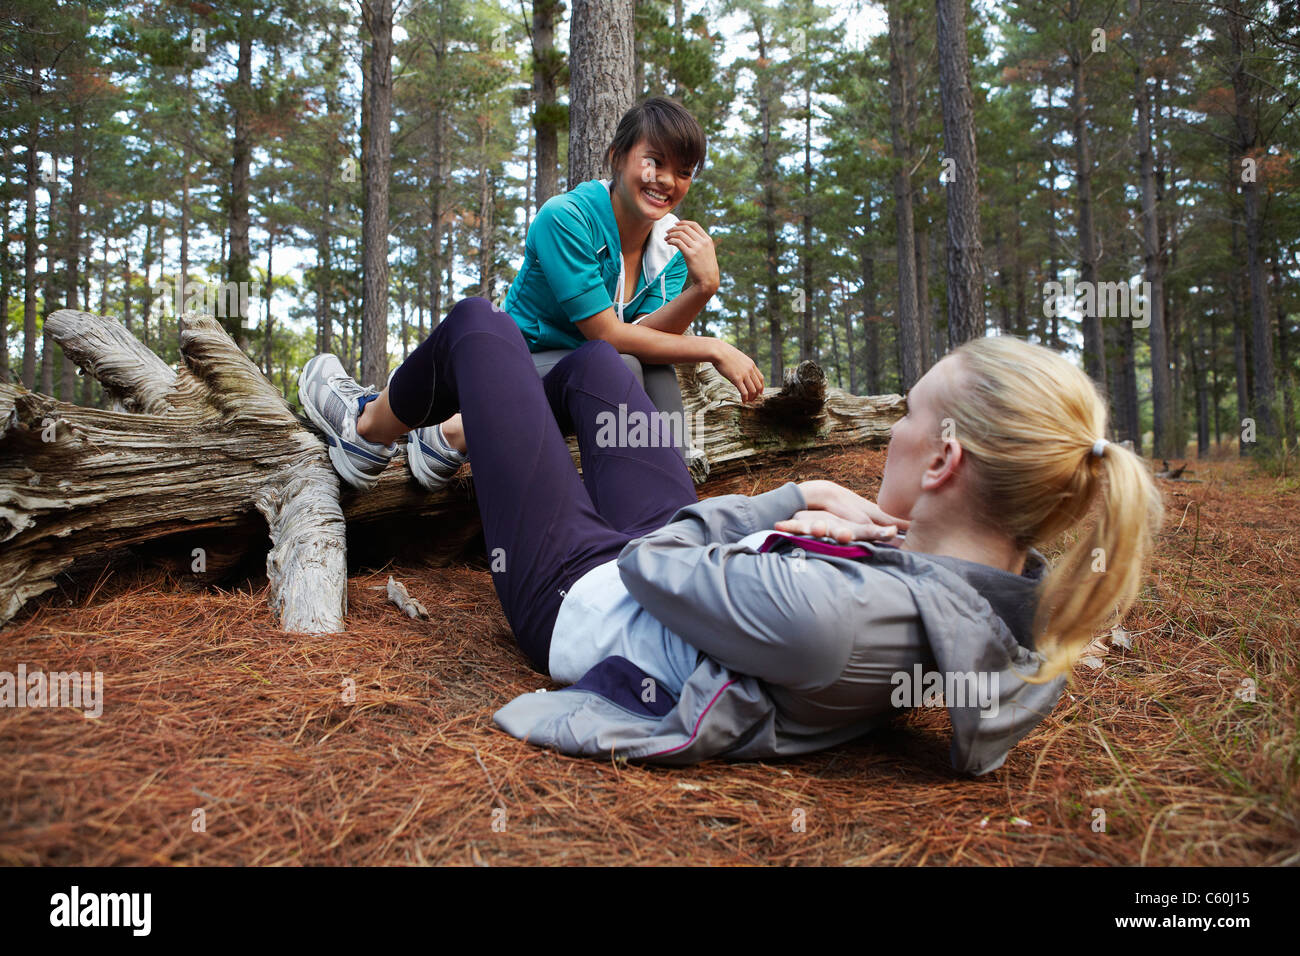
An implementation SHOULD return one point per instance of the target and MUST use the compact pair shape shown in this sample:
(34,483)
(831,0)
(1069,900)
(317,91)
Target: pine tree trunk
(5,276)
(268,321)
(49,297)
(909,322)
(921,246)
(965,251)
(1094,344)
(241,104)
(1283,349)
(1200,359)
(1162,404)
(1261,356)
(767,175)
(72,248)
(870,322)
(441,173)
(32,170)
(601,87)
(378,16)
(806,330)
(1236,292)
(484,211)
(546,112)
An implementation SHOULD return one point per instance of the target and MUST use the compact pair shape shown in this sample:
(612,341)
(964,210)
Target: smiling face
(651,182)
(917,452)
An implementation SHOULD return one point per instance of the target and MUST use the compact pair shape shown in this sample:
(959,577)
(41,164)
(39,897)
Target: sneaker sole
(420,471)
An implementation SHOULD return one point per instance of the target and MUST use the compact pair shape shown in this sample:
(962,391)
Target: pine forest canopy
(884,180)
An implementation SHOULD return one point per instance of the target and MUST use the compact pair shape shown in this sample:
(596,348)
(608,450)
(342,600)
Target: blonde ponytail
(1028,420)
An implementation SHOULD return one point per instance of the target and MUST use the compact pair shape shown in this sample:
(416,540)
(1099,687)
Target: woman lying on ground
(692,629)
(605,261)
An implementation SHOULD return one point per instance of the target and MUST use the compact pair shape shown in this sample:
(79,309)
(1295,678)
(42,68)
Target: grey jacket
(805,645)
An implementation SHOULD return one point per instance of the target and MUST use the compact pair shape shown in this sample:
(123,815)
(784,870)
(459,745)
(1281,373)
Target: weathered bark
(187,461)
(378,16)
(601,87)
(965,251)
(191,453)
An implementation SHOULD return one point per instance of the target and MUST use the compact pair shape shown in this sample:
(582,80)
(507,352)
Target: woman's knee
(477,312)
(598,365)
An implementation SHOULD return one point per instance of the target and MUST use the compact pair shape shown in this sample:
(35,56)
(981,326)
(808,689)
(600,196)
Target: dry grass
(208,706)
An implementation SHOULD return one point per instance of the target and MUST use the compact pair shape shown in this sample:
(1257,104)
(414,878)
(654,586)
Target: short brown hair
(665,123)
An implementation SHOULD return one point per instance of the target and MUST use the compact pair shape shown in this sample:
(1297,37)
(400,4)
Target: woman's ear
(943,465)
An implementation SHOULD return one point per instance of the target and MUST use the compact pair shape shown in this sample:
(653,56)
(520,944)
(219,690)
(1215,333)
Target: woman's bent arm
(649,344)
(769,615)
(676,316)
(662,348)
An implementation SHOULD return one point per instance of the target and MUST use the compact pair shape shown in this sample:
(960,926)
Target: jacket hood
(968,612)
(1013,597)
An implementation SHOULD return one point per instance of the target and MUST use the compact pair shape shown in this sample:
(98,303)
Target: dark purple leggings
(540,524)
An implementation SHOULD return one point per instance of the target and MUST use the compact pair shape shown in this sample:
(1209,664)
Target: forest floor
(226,741)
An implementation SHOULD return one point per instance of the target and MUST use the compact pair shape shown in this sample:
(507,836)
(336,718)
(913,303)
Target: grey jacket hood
(803,643)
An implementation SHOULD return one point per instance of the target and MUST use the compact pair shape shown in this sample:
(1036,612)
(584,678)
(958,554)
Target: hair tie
(1099,447)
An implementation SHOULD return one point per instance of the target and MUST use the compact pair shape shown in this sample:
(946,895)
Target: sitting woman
(731,627)
(605,261)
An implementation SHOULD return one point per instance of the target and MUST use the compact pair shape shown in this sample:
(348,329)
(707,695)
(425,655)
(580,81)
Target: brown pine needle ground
(209,707)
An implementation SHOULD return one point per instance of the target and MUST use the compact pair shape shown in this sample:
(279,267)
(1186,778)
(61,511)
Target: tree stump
(197,466)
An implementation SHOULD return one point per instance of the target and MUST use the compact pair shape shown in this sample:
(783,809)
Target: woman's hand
(697,250)
(739,369)
(824,524)
(829,500)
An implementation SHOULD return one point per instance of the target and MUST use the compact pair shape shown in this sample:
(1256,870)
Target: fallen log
(195,467)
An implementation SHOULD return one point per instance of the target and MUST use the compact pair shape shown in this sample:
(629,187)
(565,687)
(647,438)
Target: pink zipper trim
(695,731)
